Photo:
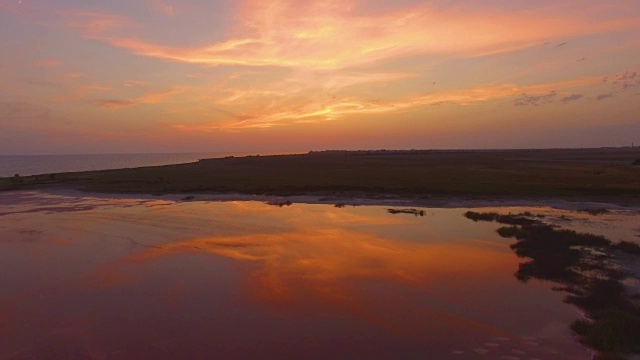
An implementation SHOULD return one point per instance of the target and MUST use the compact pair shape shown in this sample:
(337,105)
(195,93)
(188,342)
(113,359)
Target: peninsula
(602,174)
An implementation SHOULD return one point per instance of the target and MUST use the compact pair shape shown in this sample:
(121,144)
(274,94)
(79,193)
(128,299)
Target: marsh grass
(512,232)
(595,212)
(581,265)
(477,216)
(280,203)
(628,247)
(612,332)
(518,219)
(419,174)
(414,212)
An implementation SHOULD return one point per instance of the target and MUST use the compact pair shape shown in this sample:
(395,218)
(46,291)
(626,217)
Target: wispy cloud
(241,89)
(81,91)
(327,109)
(95,24)
(331,35)
(115,103)
(265,64)
(535,100)
(148,98)
(134,83)
(626,80)
(571,98)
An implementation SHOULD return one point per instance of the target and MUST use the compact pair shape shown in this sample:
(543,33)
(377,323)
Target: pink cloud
(328,109)
(330,35)
(148,98)
(115,104)
(94,24)
(81,91)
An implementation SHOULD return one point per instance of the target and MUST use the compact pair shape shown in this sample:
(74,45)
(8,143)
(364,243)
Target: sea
(25,165)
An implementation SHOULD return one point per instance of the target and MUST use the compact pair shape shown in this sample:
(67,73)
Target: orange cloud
(93,24)
(134,83)
(325,109)
(162,96)
(148,98)
(80,92)
(324,82)
(330,35)
(115,104)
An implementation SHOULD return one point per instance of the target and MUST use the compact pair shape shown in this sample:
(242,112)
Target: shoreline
(339,200)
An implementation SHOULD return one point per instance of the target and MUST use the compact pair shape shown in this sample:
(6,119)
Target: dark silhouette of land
(581,174)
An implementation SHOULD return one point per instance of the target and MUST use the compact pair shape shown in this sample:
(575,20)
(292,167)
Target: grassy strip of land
(594,174)
(581,265)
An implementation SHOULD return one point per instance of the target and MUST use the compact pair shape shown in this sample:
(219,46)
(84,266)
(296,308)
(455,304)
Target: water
(25,165)
(129,278)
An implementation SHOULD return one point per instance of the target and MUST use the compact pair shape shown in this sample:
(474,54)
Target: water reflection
(326,265)
(129,279)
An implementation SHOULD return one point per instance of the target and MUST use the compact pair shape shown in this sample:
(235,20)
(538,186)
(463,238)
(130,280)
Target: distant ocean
(46,164)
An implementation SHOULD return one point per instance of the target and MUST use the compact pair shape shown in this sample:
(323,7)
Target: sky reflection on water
(128,278)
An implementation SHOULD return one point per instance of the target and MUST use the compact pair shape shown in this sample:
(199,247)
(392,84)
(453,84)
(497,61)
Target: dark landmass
(582,265)
(582,174)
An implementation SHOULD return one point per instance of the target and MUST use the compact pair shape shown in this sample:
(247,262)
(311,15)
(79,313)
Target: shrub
(476,216)
(628,247)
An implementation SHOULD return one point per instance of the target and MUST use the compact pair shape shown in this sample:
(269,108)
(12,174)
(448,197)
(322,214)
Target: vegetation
(424,174)
(280,203)
(414,212)
(520,219)
(581,264)
(512,231)
(595,212)
(476,216)
(628,247)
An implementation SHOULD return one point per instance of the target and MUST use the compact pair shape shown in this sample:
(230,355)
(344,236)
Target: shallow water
(109,278)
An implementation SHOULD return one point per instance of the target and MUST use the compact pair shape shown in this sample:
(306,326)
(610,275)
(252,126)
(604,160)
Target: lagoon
(114,277)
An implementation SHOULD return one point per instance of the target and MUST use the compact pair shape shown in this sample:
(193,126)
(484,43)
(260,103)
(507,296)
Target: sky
(137,76)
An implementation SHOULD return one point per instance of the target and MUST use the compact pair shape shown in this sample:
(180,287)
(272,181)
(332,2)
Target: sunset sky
(88,76)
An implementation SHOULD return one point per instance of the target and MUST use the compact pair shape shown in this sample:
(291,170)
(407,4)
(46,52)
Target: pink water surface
(125,278)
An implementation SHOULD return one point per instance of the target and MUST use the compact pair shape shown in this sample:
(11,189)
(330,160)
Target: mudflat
(603,174)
